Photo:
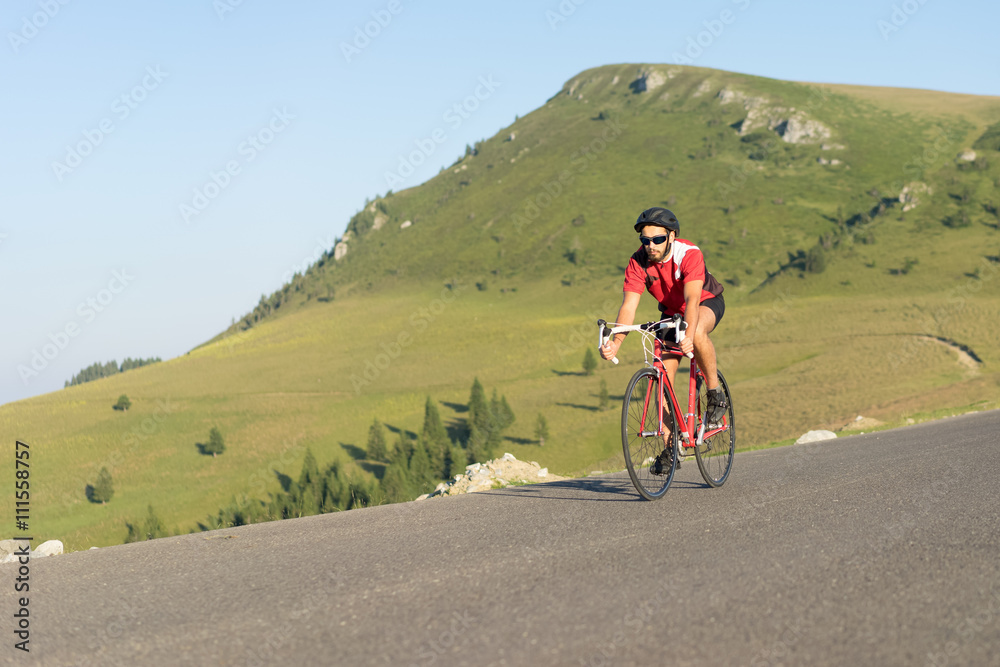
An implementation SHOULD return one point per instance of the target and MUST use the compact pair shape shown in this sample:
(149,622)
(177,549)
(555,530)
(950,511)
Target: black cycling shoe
(716,409)
(661,465)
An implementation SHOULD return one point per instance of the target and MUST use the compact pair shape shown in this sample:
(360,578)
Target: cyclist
(673,270)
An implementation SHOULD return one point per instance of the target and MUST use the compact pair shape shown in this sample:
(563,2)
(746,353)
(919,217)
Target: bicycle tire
(716,453)
(641,450)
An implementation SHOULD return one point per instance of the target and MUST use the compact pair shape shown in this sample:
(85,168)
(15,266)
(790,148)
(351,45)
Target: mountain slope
(505,213)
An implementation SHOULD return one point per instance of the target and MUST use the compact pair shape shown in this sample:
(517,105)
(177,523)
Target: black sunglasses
(656,240)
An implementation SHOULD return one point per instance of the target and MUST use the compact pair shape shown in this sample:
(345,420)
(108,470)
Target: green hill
(513,252)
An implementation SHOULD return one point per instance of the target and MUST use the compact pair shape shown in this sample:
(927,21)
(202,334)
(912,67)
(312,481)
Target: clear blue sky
(198,81)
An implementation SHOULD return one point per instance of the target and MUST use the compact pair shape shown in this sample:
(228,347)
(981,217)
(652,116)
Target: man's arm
(692,310)
(626,315)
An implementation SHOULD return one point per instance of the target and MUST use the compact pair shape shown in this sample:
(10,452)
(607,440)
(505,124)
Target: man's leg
(670,365)
(704,350)
(662,464)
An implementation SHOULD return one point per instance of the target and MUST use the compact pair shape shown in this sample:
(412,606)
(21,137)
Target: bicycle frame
(689,424)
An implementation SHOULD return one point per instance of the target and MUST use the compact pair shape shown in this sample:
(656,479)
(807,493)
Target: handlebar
(605,332)
(602,325)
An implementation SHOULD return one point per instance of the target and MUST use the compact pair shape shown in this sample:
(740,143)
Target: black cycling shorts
(717,305)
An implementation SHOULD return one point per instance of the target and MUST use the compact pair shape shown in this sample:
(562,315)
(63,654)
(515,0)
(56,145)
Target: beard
(657,255)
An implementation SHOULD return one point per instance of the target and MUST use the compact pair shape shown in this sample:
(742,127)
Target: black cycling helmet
(660,217)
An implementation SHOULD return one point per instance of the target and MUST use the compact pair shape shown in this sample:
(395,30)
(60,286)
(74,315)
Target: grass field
(816,363)
(801,350)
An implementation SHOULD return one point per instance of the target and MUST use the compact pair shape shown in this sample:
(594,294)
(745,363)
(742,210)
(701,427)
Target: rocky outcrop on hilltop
(648,80)
(792,125)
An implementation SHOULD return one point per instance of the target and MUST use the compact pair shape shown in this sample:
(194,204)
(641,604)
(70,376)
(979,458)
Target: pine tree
(541,429)
(494,438)
(480,424)
(152,527)
(310,470)
(589,362)
(458,458)
(603,400)
(335,491)
(420,468)
(479,409)
(401,452)
(135,534)
(377,449)
(495,409)
(477,444)
(103,488)
(435,438)
(215,443)
(494,428)
(395,484)
(507,417)
(364,491)
(309,491)
(308,504)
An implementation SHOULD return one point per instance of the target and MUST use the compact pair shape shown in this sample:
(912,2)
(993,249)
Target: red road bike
(652,425)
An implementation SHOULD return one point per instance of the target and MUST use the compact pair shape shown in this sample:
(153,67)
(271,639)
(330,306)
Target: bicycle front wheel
(718,448)
(642,441)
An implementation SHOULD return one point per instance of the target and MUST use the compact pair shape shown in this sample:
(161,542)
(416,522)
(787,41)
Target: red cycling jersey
(665,280)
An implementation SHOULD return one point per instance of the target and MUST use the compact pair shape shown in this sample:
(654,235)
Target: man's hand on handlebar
(687,345)
(610,349)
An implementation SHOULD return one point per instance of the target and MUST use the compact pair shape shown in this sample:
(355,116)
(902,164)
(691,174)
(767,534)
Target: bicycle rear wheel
(716,452)
(641,443)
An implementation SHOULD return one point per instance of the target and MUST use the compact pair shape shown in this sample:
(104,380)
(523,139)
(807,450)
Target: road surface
(877,549)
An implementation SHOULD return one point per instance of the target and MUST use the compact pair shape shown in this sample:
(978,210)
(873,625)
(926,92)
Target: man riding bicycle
(673,270)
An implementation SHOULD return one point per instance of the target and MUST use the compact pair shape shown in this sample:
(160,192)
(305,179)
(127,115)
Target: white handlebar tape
(680,339)
(601,342)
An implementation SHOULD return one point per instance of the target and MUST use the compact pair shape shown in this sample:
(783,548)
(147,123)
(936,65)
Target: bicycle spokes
(648,436)
(717,446)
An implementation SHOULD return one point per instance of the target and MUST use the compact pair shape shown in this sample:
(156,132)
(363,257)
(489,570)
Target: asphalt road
(878,549)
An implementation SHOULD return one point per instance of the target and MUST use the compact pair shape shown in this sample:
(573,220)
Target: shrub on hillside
(150,529)
(216,445)
(103,489)
(958,220)
(541,429)
(816,259)
(377,448)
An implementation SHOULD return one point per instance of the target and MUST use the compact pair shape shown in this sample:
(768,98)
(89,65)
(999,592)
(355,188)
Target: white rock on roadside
(8,550)
(500,472)
(815,436)
(50,548)
(7,547)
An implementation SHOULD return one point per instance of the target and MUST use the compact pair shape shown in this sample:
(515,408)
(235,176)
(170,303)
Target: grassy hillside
(542,224)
